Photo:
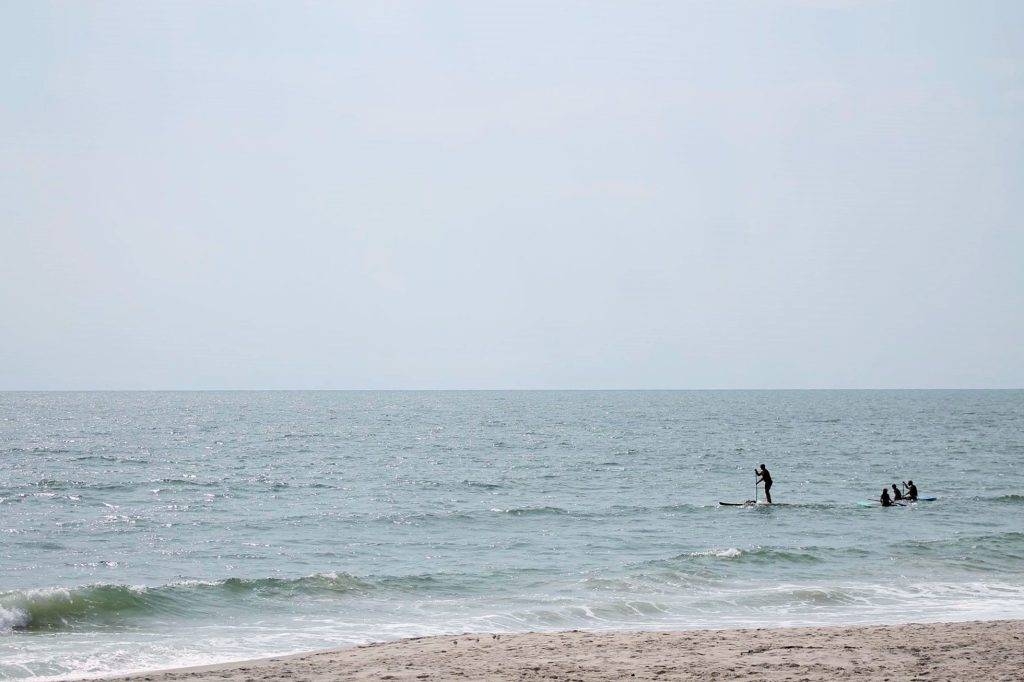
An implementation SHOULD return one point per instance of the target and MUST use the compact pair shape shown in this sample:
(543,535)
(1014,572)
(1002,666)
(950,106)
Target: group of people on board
(909,493)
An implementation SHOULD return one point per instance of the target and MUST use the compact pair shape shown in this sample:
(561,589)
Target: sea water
(149,530)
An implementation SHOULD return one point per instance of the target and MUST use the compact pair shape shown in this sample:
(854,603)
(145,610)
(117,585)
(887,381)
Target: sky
(447,195)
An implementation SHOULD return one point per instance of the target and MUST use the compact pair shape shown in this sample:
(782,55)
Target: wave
(317,583)
(770,555)
(532,511)
(973,541)
(482,484)
(880,598)
(979,550)
(39,451)
(730,553)
(184,481)
(703,570)
(54,484)
(110,458)
(1008,499)
(103,604)
(416,518)
(60,484)
(682,506)
(684,585)
(56,608)
(106,605)
(299,436)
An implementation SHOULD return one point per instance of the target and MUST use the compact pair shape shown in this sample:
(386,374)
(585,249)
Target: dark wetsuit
(886,502)
(912,493)
(896,494)
(767,478)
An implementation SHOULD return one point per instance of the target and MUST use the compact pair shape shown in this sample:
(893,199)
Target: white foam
(12,618)
(728,553)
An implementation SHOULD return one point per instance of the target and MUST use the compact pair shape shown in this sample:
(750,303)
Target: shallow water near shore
(151,530)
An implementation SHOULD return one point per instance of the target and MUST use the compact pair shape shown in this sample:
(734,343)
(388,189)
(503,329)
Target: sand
(992,650)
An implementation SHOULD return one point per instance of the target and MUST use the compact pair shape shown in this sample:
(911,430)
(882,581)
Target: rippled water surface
(146,530)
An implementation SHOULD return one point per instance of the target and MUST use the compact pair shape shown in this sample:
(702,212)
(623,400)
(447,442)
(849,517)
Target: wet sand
(992,650)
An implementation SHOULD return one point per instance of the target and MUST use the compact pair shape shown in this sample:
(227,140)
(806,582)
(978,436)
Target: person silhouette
(763,475)
(911,491)
(886,502)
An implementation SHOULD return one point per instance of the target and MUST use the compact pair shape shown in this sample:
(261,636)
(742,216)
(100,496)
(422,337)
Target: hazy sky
(511,195)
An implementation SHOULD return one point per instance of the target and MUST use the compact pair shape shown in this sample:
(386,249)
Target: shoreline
(990,650)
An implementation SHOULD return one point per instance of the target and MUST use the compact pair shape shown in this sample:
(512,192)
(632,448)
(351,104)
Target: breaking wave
(102,605)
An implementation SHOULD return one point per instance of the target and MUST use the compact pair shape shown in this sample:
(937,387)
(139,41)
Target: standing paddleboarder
(763,475)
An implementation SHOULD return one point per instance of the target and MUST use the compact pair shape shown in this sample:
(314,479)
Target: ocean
(147,530)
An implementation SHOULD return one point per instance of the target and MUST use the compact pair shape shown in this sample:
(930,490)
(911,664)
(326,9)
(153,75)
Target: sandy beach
(992,650)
